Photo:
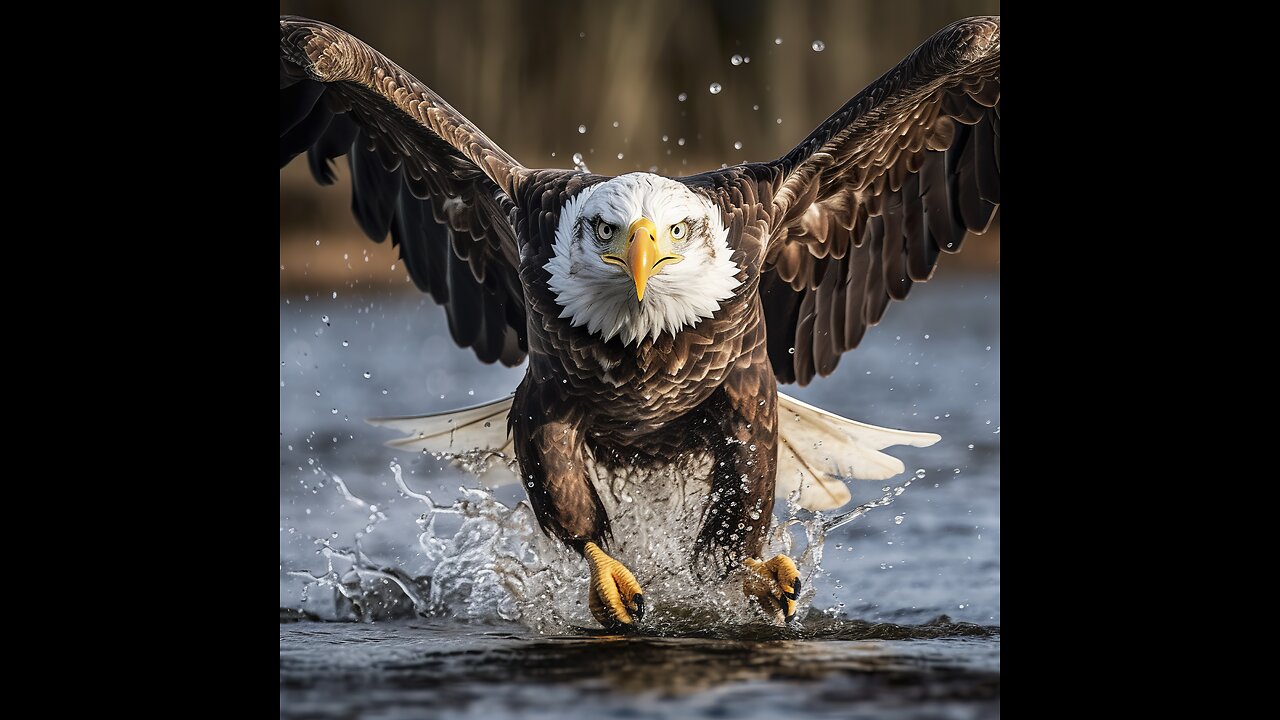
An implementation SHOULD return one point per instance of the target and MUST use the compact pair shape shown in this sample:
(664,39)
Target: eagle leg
(775,584)
(616,599)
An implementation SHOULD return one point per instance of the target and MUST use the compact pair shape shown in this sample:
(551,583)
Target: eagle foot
(775,584)
(616,599)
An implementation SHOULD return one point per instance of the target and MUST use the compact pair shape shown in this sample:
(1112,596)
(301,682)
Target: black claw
(796,587)
(638,613)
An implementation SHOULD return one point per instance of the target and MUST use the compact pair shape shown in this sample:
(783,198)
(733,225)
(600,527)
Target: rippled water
(871,644)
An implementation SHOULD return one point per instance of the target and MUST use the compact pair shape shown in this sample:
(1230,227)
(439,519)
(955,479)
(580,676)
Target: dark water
(445,669)
(872,645)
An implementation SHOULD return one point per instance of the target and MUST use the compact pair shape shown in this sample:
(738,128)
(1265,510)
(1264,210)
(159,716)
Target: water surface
(872,643)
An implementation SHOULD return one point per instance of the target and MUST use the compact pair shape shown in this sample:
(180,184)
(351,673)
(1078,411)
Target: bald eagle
(658,315)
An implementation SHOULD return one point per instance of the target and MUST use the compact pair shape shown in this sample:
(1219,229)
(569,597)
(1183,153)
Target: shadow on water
(743,671)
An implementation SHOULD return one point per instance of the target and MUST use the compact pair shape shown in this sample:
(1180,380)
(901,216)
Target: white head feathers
(603,296)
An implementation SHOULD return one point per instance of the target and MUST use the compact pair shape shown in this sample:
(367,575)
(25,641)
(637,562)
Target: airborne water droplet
(736,60)
(345,343)
(582,129)
(818,46)
(367,374)
(680,142)
(619,156)
(737,145)
(324,319)
(715,88)
(682,97)
(777,41)
(897,519)
(577,158)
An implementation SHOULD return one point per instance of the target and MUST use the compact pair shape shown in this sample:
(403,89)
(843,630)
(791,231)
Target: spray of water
(497,565)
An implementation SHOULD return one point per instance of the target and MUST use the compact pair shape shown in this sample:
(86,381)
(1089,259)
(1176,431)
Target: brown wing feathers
(866,203)
(420,171)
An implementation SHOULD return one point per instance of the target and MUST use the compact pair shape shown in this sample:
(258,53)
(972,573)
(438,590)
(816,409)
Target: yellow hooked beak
(643,257)
(642,253)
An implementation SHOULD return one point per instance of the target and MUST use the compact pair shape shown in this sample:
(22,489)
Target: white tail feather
(471,437)
(816,449)
(812,441)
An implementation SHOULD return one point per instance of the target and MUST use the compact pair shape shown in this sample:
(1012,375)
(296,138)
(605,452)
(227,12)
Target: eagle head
(639,255)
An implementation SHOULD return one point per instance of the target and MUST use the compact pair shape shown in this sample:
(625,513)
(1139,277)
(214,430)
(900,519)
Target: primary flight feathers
(857,212)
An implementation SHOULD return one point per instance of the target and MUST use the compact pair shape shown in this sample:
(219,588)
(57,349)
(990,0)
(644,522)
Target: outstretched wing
(862,208)
(419,169)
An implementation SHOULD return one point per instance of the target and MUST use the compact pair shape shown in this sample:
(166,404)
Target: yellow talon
(616,599)
(775,584)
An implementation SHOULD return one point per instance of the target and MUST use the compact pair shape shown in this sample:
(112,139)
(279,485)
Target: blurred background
(546,80)
(628,85)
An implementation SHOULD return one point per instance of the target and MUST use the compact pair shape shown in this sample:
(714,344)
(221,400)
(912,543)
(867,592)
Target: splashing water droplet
(680,142)
(737,145)
(897,519)
(582,129)
(777,41)
(682,97)
(324,319)
(367,374)
(818,46)
(615,123)
(736,60)
(715,88)
(577,158)
(345,343)
(619,156)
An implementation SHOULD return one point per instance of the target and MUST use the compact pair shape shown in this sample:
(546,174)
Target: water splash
(493,563)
